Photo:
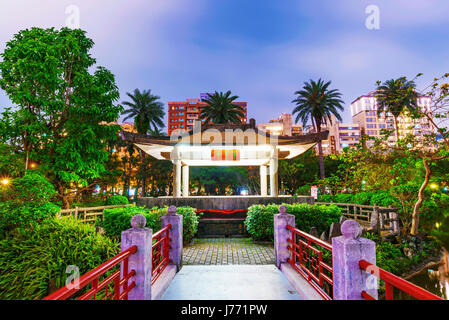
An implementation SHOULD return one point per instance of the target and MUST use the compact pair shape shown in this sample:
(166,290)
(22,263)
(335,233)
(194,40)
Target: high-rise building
(341,135)
(364,113)
(182,114)
(282,126)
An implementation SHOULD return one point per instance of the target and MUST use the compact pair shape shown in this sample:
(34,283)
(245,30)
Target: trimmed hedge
(116,200)
(37,257)
(259,221)
(116,220)
(379,198)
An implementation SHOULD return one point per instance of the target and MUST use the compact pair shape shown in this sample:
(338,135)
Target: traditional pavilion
(225,145)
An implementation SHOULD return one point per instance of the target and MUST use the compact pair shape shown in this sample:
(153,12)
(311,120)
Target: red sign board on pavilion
(225,154)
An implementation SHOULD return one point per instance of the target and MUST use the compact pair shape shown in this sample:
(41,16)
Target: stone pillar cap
(282,209)
(172,210)
(138,221)
(351,229)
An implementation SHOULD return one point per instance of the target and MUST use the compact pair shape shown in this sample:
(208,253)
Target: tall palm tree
(315,101)
(396,96)
(147,111)
(221,109)
(148,114)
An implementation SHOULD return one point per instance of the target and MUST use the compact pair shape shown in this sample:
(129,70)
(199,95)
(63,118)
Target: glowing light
(434,186)
(33,165)
(5,181)
(243,192)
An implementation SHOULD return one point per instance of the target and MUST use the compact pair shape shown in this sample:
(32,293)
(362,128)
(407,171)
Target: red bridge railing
(312,258)
(118,280)
(161,250)
(392,281)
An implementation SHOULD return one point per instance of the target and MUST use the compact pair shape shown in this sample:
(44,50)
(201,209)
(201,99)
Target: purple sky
(261,50)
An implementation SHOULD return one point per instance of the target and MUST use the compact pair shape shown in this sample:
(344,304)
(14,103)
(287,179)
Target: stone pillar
(175,236)
(263,180)
(274,177)
(185,181)
(347,251)
(177,179)
(141,261)
(281,234)
(394,221)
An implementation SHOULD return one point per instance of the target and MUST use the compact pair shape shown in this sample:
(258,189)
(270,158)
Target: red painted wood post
(347,250)
(141,261)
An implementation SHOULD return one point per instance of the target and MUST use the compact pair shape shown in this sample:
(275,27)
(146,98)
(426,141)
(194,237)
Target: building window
(371,126)
(370,120)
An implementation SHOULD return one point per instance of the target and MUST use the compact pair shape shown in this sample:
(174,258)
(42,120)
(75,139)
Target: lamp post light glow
(5,181)
(434,186)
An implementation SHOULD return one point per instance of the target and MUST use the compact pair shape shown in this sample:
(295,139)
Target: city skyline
(264,58)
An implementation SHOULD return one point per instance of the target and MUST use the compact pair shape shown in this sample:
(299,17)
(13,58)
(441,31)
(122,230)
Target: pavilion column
(263,180)
(185,181)
(274,177)
(177,179)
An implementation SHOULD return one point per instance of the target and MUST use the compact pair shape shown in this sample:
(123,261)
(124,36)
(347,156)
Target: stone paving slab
(236,282)
(224,251)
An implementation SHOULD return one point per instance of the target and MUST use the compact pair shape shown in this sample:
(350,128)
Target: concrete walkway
(219,251)
(231,282)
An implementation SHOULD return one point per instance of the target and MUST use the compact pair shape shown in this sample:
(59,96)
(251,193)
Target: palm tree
(148,114)
(316,102)
(396,96)
(221,109)
(147,111)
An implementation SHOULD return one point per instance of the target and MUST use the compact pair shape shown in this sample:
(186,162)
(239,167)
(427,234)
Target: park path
(227,251)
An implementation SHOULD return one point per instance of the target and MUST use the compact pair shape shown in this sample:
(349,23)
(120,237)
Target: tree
(62,110)
(315,101)
(428,149)
(396,97)
(146,110)
(148,114)
(221,109)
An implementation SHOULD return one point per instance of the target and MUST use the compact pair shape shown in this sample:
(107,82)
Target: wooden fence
(90,214)
(381,219)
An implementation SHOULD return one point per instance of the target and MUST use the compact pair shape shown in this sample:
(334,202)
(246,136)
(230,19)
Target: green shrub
(382,198)
(36,257)
(362,198)
(343,198)
(26,201)
(116,220)
(259,221)
(116,200)
(190,220)
(318,216)
(303,190)
(325,198)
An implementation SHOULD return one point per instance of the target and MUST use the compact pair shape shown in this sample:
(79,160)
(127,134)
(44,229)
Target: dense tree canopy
(62,110)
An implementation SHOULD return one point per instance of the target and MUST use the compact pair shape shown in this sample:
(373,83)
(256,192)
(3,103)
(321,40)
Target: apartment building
(364,113)
(182,114)
(283,126)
